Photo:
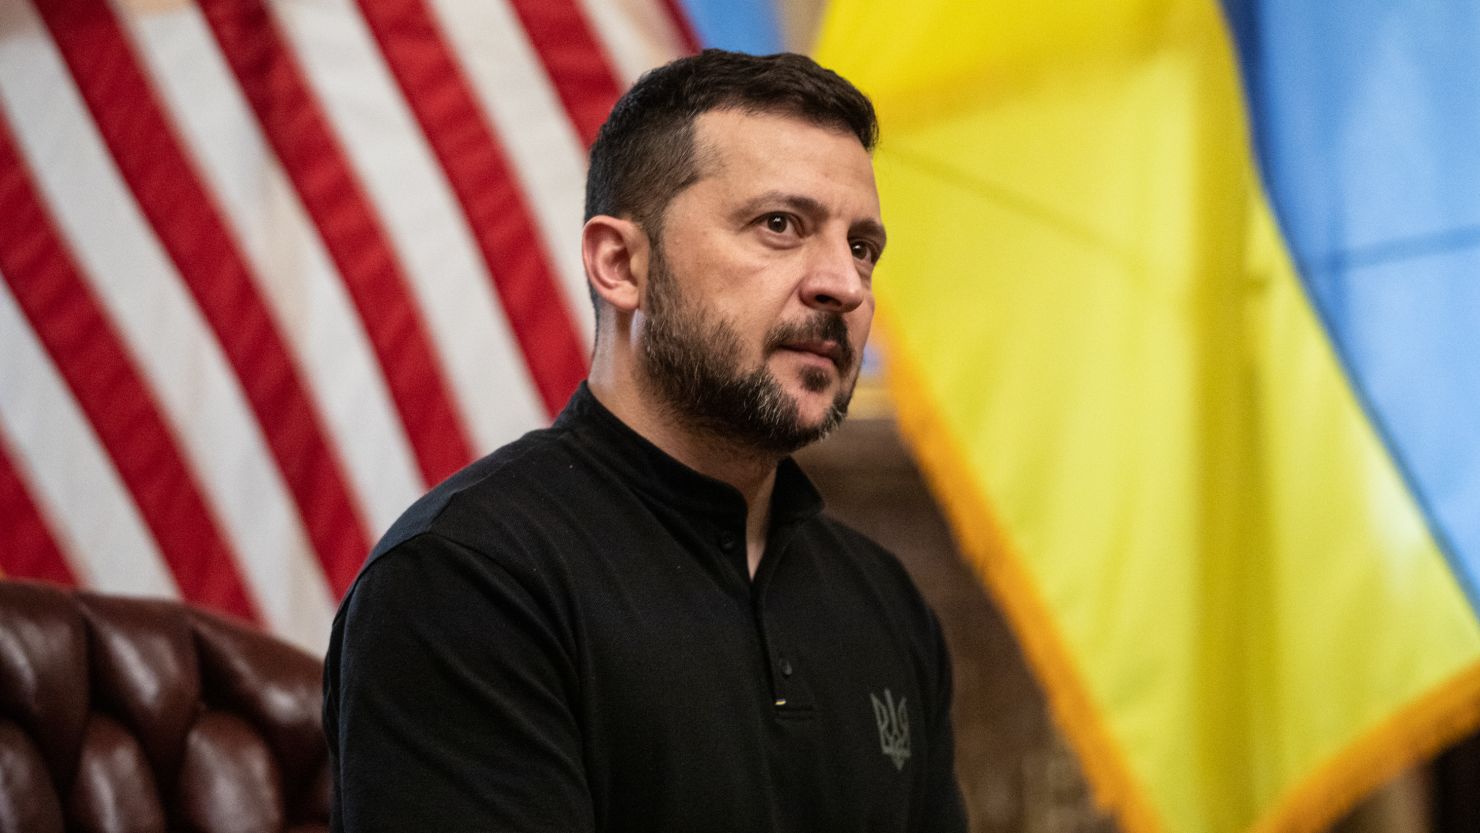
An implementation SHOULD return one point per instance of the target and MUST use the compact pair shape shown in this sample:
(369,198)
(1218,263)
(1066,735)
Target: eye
(865,250)
(778,223)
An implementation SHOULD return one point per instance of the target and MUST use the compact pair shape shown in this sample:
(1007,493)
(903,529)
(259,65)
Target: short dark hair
(644,154)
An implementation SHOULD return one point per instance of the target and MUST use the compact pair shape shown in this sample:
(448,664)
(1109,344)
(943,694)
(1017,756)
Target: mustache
(822,326)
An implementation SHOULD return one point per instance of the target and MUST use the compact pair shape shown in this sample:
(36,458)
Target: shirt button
(727,540)
(785,667)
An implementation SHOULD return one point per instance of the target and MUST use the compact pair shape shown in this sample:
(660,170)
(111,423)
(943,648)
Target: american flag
(271,268)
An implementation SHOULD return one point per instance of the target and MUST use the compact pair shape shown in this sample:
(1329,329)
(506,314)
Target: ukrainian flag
(1182,312)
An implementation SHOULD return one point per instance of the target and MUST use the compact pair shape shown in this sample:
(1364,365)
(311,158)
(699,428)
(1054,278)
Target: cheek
(740,288)
(861,321)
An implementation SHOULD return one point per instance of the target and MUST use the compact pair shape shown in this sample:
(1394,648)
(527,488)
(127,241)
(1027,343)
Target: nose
(832,282)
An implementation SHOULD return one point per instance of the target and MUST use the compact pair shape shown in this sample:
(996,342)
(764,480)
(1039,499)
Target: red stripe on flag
(101,375)
(573,59)
(184,216)
(295,125)
(682,25)
(480,175)
(28,549)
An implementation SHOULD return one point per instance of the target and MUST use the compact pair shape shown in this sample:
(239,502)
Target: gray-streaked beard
(691,361)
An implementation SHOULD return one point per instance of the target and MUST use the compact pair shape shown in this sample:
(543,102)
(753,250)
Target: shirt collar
(652,471)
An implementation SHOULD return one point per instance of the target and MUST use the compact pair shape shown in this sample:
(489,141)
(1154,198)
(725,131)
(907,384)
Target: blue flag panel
(1366,120)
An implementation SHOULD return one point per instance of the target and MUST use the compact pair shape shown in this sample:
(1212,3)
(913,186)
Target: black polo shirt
(564,637)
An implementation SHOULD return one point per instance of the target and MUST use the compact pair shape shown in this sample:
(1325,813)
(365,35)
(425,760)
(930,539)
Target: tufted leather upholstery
(140,715)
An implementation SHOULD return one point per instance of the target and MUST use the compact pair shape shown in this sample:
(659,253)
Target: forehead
(742,154)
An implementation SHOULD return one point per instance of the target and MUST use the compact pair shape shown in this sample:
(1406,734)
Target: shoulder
(535,496)
(487,490)
(467,556)
(506,516)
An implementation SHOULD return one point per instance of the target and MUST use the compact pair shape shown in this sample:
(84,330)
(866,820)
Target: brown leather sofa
(122,714)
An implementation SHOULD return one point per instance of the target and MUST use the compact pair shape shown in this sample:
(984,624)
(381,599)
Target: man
(637,620)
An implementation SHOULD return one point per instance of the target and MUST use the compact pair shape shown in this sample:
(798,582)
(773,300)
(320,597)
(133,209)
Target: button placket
(731,546)
(780,688)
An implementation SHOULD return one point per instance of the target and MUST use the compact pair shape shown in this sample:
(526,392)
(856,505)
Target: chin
(812,398)
(814,407)
(809,420)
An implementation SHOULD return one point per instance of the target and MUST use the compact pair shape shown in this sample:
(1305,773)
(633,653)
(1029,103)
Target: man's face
(759,298)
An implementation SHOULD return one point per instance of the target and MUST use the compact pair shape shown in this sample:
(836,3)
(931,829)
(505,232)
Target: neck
(752,473)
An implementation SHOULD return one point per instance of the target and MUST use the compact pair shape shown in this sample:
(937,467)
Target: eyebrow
(803,204)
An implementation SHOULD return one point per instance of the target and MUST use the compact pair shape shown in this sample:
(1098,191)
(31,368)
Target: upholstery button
(785,667)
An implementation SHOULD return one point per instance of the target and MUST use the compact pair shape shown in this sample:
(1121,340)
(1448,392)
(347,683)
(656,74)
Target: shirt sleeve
(944,810)
(448,694)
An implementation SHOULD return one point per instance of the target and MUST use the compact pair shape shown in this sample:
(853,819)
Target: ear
(615,254)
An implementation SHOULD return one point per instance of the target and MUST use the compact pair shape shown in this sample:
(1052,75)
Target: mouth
(819,342)
(826,350)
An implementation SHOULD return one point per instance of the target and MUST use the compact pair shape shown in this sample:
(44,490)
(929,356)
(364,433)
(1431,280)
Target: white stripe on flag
(496,397)
(178,356)
(67,471)
(307,296)
(530,123)
(637,34)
